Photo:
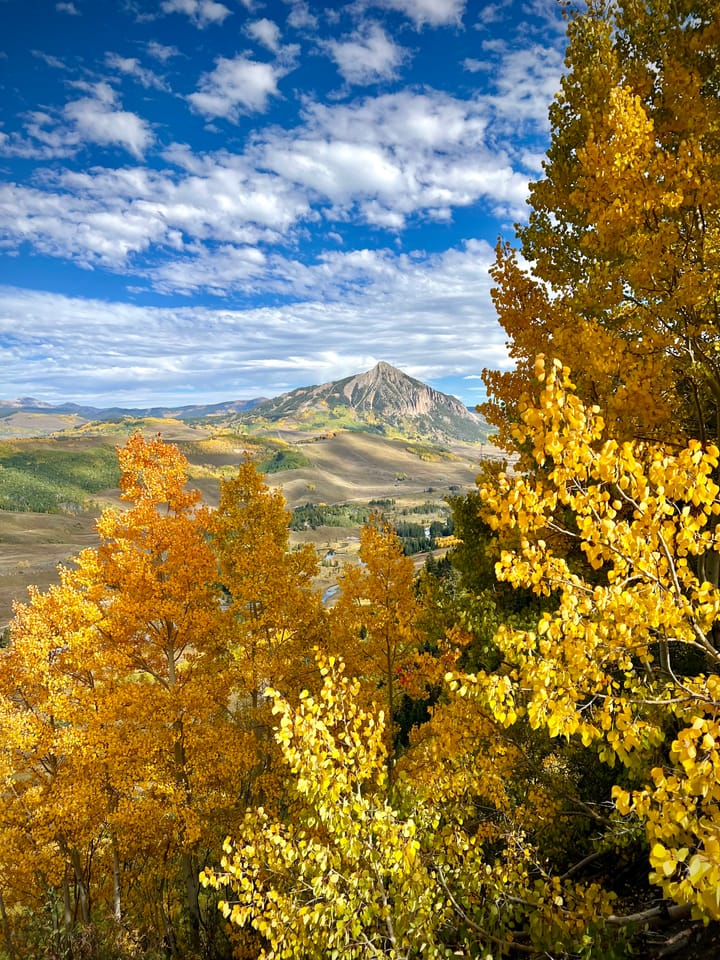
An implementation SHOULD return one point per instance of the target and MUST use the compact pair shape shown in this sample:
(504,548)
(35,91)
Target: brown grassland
(347,467)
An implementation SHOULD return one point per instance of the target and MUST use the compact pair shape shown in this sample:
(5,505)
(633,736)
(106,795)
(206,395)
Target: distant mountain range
(382,400)
(198,411)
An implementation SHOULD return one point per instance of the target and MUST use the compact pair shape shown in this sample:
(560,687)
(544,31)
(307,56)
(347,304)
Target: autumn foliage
(515,753)
(129,704)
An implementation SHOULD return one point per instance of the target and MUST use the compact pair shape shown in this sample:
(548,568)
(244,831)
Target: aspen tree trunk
(187,861)
(83,892)
(9,948)
(390,725)
(192,897)
(117,901)
(67,917)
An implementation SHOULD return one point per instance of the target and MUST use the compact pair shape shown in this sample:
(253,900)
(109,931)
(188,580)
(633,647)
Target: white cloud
(161,51)
(112,217)
(96,119)
(381,161)
(201,12)
(63,225)
(236,86)
(132,67)
(337,170)
(398,155)
(369,55)
(69,8)
(493,13)
(526,81)
(475,66)
(105,352)
(266,32)
(433,13)
(44,138)
(533,160)
(300,17)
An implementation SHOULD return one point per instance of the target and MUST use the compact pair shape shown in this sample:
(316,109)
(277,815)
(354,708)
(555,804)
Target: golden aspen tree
(119,686)
(161,620)
(275,612)
(374,622)
(57,799)
(346,877)
(351,875)
(619,266)
(628,663)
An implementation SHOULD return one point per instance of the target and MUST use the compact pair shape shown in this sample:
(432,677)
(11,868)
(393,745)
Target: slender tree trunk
(192,897)
(117,900)
(7,937)
(189,867)
(68,918)
(390,724)
(82,887)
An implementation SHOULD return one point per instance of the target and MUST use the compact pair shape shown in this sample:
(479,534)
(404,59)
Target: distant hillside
(35,418)
(382,400)
(194,411)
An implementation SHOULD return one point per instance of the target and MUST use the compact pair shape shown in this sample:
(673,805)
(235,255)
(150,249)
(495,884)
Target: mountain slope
(381,397)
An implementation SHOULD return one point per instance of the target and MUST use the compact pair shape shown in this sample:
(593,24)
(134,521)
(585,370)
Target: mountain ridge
(381,400)
(179,412)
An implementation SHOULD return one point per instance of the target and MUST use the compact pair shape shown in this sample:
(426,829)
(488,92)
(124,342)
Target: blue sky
(205,200)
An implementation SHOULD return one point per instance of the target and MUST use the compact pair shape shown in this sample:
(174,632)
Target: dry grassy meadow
(345,467)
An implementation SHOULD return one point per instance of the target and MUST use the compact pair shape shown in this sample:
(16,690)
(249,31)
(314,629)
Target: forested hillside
(515,753)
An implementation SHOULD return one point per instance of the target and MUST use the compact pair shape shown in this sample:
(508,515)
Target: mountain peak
(382,395)
(383,368)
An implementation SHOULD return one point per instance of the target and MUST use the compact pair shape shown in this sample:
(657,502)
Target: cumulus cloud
(131,66)
(236,86)
(526,82)
(381,161)
(433,13)
(300,17)
(201,12)
(63,225)
(474,66)
(68,8)
(112,217)
(96,118)
(490,13)
(369,55)
(397,155)
(266,32)
(161,51)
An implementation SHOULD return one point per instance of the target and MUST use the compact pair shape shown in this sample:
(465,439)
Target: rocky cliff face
(382,395)
(387,390)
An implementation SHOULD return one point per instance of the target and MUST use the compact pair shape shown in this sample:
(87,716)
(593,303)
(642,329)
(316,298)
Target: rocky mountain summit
(378,397)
